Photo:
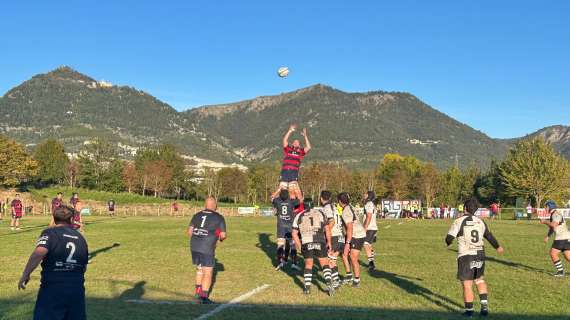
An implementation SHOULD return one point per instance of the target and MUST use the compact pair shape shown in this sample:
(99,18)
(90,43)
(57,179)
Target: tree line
(532,170)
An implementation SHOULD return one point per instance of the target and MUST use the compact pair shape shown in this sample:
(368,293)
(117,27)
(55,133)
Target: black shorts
(60,301)
(284,231)
(16,215)
(470,267)
(314,250)
(289,175)
(370,236)
(357,243)
(337,244)
(562,245)
(203,259)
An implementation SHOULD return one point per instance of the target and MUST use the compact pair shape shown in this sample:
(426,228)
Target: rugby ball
(283,72)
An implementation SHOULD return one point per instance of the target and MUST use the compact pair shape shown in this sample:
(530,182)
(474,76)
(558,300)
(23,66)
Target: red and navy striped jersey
(292,158)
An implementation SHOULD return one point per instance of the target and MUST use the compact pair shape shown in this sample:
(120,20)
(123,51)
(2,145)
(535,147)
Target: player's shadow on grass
(270,249)
(134,293)
(93,254)
(219,267)
(405,283)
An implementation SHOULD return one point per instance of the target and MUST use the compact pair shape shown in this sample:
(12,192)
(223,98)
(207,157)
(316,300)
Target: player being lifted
(63,253)
(337,236)
(371,227)
(293,155)
(284,209)
(470,231)
(205,229)
(557,226)
(355,236)
(312,238)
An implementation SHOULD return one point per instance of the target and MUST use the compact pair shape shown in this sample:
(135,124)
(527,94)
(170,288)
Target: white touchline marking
(386,227)
(400,223)
(233,301)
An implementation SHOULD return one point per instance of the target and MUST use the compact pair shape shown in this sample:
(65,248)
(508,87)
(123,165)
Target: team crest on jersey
(42,240)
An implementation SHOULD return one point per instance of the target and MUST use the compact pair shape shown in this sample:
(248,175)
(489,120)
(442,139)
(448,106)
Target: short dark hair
(63,214)
(471,205)
(326,195)
(308,203)
(370,196)
(59,193)
(343,198)
(284,194)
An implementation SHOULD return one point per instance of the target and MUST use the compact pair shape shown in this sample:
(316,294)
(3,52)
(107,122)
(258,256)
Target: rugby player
(284,209)
(205,229)
(470,231)
(55,203)
(73,200)
(63,253)
(337,236)
(293,155)
(17,211)
(355,236)
(371,227)
(557,226)
(312,237)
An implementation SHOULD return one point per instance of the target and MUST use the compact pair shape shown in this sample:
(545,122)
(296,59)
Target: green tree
(233,183)
(397,174)
(94,160)
(450,186)
(112,179)
(533,169)
(52,161)
(16,165)
(428,183)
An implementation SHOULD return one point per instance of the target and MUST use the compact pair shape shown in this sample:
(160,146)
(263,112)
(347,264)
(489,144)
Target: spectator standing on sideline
(111,207)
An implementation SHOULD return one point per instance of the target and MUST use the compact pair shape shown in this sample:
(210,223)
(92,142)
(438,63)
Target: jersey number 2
(70,256)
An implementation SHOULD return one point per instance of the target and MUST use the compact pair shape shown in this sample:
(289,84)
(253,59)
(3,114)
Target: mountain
(352,128)
(74,108)
(346,127)
(557,136)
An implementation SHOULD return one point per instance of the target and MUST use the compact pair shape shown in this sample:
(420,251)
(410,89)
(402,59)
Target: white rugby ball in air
(283,72)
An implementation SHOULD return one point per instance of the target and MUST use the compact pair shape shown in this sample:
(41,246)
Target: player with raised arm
(557,226)
(371,227)
(63,254)
(293,155)
(312,237)
(355,236)
(284,209)
(17,208)
(470,231)
(205,229)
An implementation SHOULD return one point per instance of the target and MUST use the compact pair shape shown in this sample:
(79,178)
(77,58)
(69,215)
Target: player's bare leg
(468,297)
(334,269)
(199,277)
(325,264)
(370,254)
(348,270)
(555,256)
(281,253)
(293,255)
(354,255)
(207,273)
(17,223)
(483,296)
(12,223)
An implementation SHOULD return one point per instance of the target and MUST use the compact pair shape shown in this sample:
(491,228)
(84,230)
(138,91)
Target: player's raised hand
(292,127)
(23,282)
(500,250)
(304,132)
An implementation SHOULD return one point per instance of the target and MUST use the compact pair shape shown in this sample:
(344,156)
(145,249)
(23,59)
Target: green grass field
(416,277)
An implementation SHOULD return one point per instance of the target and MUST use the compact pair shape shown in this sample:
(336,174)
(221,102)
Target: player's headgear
(63,214)
(284,194)
(343,198)
(551,204)
(471,205)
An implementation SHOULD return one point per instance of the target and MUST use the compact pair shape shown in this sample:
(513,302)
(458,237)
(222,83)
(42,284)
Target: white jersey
(331,212)
(370,208)
(349,216)
(469,231)
(561,231)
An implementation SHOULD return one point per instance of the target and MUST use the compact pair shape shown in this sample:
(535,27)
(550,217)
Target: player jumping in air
(312,237)
(205,229)
(17,212)
(293,155)
(371,227)
(284,209)
(63,253)
(557,226)
(470,232)
(337,236)
(355,236)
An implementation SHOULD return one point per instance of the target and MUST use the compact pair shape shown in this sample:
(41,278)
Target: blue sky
(503,67)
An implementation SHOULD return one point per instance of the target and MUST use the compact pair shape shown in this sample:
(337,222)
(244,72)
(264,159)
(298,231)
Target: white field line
(234,301)
(388,226)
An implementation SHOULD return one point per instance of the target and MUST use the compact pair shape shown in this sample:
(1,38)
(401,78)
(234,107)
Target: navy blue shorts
(289,175)
(60,302)
(203,260)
